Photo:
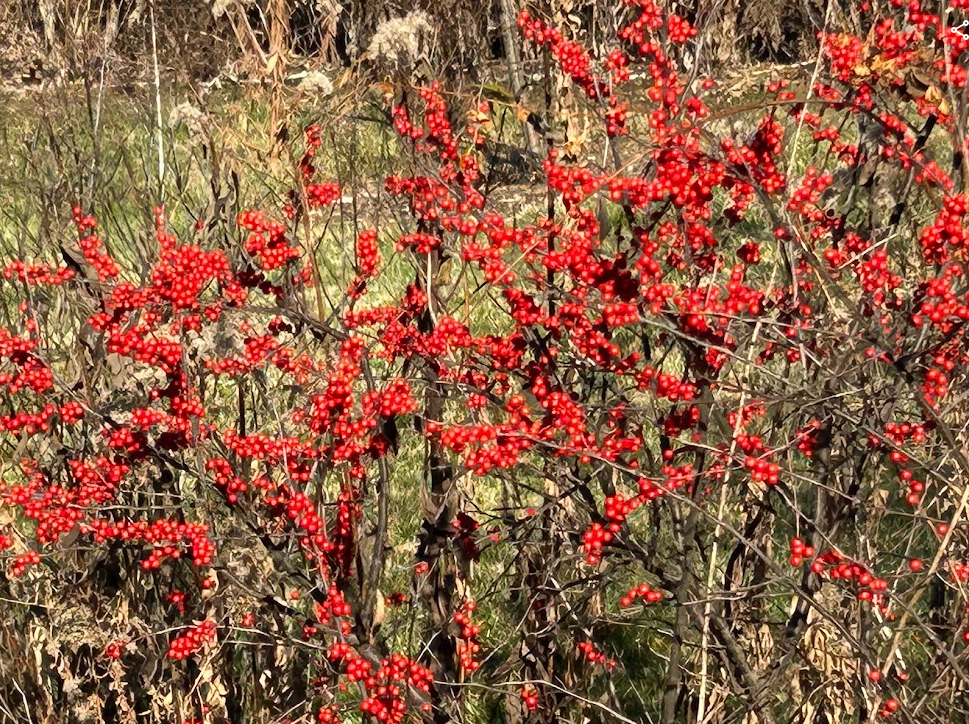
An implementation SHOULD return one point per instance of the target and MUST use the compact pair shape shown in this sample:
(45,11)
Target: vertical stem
(158,107)
(514,60)
(705,632)
(443,578)
(550,196)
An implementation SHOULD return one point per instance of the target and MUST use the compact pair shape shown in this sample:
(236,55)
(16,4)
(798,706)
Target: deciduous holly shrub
(700,413)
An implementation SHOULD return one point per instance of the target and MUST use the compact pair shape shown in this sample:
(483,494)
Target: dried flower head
(400,42)
(317,82)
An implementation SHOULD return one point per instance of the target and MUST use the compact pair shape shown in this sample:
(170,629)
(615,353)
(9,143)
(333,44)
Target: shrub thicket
(681,439)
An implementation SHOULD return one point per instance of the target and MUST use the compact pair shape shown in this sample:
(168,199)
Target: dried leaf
(884,66)
(387,90)
(380,611)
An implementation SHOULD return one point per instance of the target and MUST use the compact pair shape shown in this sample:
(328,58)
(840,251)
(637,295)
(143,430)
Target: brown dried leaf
(387,90)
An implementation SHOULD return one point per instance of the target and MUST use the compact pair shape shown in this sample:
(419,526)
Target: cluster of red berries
(92,246)
(177,599)
(641,592)
(807,438)
(845,52)
(192,640)
(37,274)
(674,477)
(322,194)
(58,510)
(184,272)
(960,571)
(23,561)
(575,62)
(394,399)
(387,686)
(341,543)
(468,647)
(892,705)
(757,159)
(800,551)
(114,649)
(327,715)
(596,538)
(679,29)
(529,696)
(267,240)
(762,470)
(421,243)
(32,373)
(168,536)
(870,588)
(368,253)
(594,656)
(231,485)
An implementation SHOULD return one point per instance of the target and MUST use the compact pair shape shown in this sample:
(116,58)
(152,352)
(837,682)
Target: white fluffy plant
(402,42)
